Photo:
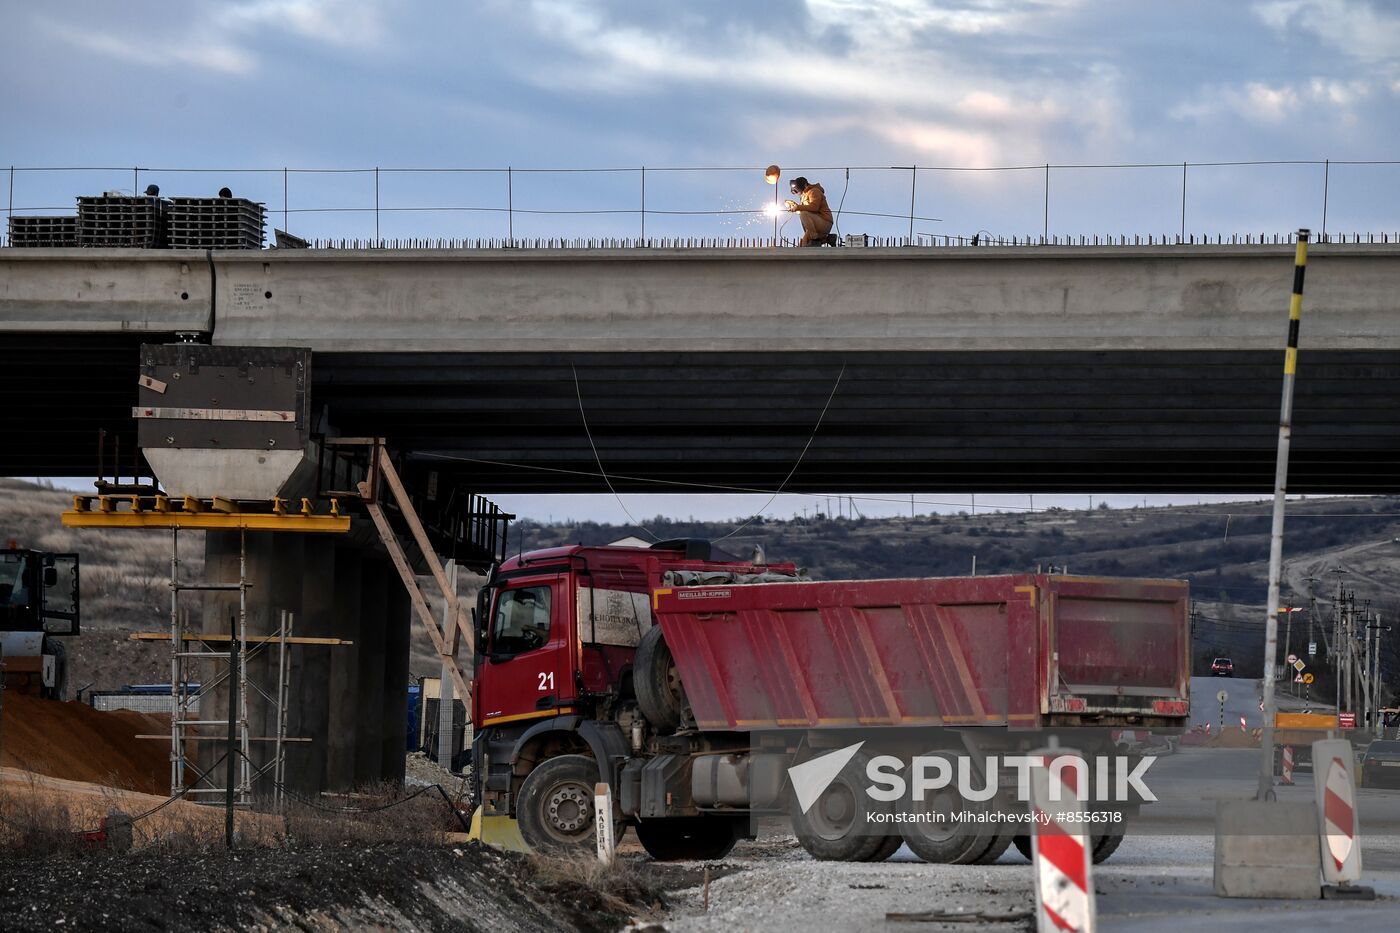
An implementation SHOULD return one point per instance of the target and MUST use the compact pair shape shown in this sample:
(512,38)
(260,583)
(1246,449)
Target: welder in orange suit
(810,205)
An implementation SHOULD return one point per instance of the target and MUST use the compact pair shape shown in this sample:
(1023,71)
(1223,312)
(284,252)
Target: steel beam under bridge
(1033,369)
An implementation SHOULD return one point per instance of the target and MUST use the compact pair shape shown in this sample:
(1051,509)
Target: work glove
(790,205)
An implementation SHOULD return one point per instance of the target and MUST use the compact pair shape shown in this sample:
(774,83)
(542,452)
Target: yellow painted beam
(208,521)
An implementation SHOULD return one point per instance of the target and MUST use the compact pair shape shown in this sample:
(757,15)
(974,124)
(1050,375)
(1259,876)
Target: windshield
(13,591)
(521,622)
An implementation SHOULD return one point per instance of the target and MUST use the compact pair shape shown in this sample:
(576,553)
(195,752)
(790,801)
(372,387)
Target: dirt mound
(76,742)
(1234,738)
(388,887)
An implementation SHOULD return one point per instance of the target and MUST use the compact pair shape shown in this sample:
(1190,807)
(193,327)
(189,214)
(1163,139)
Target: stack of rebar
(121,221)
(216,223)
(34,231)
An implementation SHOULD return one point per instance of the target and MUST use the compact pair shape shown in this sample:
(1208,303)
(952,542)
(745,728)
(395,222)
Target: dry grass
(40,816)
(616,889)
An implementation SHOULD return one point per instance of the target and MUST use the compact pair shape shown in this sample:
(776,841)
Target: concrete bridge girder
(908,298)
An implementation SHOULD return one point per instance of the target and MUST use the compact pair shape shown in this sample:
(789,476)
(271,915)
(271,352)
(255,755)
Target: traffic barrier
(1288,765)
(1060,846)
(1336,809)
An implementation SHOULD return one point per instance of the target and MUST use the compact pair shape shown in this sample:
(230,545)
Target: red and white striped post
(1243,727)
(1288,765)
(1061,850)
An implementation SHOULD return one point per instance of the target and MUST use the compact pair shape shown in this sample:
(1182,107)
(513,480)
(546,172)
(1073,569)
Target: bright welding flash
(772,209)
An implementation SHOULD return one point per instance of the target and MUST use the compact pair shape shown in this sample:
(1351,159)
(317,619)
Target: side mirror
(50,576)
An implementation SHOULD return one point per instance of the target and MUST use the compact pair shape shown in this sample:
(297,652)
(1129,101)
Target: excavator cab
(38,607)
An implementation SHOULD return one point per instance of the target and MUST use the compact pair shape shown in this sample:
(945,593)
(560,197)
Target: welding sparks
(772,209)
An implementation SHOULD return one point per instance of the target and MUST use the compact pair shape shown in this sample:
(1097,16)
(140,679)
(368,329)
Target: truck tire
(690,838)
(947,841)
(839,826)
(658,685)
(999,845)
(887,848)
(555,809)
(1104,846)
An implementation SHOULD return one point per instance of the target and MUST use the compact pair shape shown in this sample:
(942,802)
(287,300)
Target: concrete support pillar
(369,700)
(342,692)
(394,747)
(273,573)
(311,665)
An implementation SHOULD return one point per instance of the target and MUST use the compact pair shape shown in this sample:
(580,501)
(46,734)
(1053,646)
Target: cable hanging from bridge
(781,486)
(578,393)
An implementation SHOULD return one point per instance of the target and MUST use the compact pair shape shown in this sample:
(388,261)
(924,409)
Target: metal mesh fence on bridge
(1243,202)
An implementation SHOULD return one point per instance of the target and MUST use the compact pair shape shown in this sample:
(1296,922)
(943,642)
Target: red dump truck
(691,682)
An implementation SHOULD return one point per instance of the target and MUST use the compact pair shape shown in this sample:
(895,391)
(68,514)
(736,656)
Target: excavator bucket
(499,831)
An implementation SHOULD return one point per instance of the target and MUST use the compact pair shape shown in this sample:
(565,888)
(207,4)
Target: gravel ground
(1152,883)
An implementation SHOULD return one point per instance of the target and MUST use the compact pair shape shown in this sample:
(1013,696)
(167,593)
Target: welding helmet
(799,185)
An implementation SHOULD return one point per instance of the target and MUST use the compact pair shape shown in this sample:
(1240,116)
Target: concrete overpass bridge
(909,369)
(946,369)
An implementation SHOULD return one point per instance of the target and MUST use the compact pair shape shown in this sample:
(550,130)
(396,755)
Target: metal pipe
(1047,200)
(230,752)
(176,746)
(913,182)
(1183,201)
(1326,170)
(1285,430)
(240,659)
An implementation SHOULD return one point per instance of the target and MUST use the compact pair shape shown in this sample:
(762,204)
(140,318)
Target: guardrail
(1011,204)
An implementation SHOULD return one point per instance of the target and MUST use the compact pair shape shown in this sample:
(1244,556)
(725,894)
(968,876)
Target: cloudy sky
(813,86)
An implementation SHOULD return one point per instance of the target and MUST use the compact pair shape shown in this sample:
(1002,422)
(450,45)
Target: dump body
(1022,651)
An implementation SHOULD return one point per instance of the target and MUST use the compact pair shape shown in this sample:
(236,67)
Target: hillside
(1221,549)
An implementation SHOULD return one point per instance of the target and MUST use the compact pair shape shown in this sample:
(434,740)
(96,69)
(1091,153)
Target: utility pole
(1335,650)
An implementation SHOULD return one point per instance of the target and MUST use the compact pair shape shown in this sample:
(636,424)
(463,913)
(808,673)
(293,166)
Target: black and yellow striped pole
(1285,436)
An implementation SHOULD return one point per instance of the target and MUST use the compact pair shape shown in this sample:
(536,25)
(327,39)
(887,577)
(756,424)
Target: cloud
(888,75)
(219,37)
(348,23)
(1266,104)
(185,51)
(1357,29)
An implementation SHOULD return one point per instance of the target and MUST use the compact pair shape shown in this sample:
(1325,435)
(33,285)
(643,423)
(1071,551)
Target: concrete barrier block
(1266,850)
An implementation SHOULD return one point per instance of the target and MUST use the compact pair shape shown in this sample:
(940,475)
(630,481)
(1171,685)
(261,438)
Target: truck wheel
(555,809)
(887,848)
(943,840)
(658,685)
(999,845)
(689,838)
(1106,845)
(840,826)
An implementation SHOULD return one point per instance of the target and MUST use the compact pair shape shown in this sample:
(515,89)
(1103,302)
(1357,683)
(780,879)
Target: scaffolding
(227,655)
